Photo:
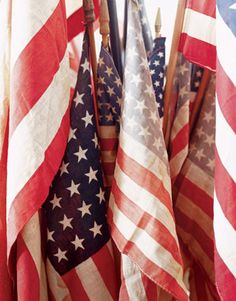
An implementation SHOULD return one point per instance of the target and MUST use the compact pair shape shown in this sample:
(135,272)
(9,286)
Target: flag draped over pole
(197,40)
(224,198)
(38,129)
(140,208)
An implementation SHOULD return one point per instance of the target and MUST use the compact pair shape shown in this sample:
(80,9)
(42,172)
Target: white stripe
(225,142)
(226,45)
(56,284)
(145,157)
(145,200)
(133,279)
(177,162)
(36,131)
(148,246)
(92,281)
(199,26)
(27,19)
(72,6)
(32,237)
(225,237)
(181,119)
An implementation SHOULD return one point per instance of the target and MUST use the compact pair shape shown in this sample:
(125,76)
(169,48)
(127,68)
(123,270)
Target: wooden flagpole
(199,98)
(104,23)
(89,17)
(171,67)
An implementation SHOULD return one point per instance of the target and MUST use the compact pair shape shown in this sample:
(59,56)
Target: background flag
(197,40)
(140,214)
(157,69)
(109,99)
(80,260)
(225,179)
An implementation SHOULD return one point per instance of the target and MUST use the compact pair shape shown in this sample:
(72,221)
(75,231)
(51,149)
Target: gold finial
(89,15)
(104,23)
(158,23)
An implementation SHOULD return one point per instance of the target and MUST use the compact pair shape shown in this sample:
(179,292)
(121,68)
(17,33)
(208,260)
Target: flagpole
(171,67)
(158,23)
(104,23)
(199,97)
(89,16)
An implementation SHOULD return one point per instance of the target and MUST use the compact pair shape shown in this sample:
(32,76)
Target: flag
(224,198)
(197,40)
(157,70)
(79,254)
(38,128)
(186,83)
(193,199)
(109,99)
(140,208)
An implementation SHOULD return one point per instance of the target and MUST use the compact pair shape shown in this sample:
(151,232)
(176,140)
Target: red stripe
(34,193)
(194,229)
(75,286)
(106,267)
(154,272)
(226,96)
(146,222)
(180,141)
(108,168)
(198,52)
(144,178)
(226,282)
(205,7)
(75,22)
(150,288)
(123,295)
(28,288)
(29,84)
(198,196)
(108,144)
(225,189)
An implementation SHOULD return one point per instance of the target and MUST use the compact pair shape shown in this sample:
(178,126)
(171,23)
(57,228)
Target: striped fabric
(197,40)
(186,82)
(225,176)
(140,208)
(38,129)
(193,198)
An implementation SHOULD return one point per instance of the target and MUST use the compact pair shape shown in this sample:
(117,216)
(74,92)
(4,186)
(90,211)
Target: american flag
(193,198)
(109,99)
(197,40)
(186,83)
(78,241)
(140,208)
(224,198)
(157,70)
(39,89)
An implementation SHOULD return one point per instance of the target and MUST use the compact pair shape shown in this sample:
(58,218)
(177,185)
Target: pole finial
(104,23)
(158,23)
(89,15)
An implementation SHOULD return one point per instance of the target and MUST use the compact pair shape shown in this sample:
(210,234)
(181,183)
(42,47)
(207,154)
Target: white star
(200,132)
(131,122)
(78,98)
(152,71)
(95,140)
(84,209)
(140,106)
(50,234)
(108,71)
(156,63)
(157,143)
(72,134)
(73,188)
(101,195)
(210,140)
(81,154)
(144,20)
(118,82)
(144,63)
(160,54)
(200,154)
(153,116)
(211,163)
(88,119)
(136,79)
(149,90)
(183,68)
(60,255)
(66,222)
(208,116)
(101,61)
(55,202)
(144,131)
(199,73)
(110,91)
(183,91)
(78,243)
(63,168)
(85,65)
(161,74)
(157,84)
(91,174)
(197,84)
(96,229)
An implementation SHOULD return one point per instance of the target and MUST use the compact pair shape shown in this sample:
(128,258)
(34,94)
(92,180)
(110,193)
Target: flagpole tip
(158,23)
(104,20)
(88,7)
